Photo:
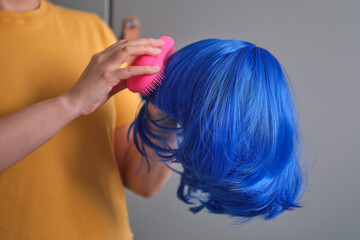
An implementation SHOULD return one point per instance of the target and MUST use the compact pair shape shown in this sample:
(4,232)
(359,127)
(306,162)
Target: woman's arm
(26,130)
(141,181)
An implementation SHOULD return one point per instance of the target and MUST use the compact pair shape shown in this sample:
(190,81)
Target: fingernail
(157,50)
(159,41)
(155,68)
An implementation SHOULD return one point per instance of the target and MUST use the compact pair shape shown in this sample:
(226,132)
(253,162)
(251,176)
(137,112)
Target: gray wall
(318,43)
(101,7)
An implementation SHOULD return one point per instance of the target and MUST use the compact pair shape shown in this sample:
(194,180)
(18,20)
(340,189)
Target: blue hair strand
(239,144)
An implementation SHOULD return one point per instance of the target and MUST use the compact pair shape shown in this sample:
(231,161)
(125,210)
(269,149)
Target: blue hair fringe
(238,139)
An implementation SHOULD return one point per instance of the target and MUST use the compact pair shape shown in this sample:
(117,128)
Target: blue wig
(238,142)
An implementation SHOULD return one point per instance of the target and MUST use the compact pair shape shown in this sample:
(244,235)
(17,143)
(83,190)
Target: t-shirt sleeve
(126,102)
(107,34)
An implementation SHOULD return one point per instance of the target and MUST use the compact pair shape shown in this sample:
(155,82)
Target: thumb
(119,87)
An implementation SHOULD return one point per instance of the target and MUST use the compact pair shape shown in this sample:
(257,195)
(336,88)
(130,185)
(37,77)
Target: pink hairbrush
(146,84)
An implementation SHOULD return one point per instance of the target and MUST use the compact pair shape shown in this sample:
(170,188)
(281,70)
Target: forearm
(24,131)
(140,180)
(137,179)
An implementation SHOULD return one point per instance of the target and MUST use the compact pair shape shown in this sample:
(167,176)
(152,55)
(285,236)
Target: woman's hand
(102,77)
(27,129)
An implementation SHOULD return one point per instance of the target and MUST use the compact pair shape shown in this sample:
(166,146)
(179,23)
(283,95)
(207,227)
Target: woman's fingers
(102,77)
(119,56)
(120,86)
(145,41)
(121,51)
(124,73)
(142,41)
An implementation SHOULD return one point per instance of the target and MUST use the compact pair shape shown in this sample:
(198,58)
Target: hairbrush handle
(145,84)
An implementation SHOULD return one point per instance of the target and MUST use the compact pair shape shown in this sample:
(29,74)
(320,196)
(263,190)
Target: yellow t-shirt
(69,188)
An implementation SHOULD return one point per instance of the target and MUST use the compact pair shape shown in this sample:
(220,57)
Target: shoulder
(86,23)
(73,14)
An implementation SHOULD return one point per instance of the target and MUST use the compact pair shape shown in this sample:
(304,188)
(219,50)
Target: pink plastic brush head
(146,84)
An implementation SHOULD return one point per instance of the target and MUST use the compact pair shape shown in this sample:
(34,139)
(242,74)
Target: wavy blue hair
(239,144)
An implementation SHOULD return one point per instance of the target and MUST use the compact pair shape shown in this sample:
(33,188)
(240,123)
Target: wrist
(70,105)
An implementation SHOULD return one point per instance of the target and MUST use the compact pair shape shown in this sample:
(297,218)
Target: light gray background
(318,43)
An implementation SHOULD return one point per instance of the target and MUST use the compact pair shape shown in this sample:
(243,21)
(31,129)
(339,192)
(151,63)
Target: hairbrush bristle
(147,84)
(152,86)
